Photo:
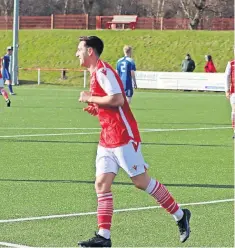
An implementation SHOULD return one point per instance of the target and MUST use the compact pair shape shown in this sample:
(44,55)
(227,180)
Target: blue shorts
(129,92)
(6,75)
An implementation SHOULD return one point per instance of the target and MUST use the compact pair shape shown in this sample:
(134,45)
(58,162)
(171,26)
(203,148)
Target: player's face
(82,54)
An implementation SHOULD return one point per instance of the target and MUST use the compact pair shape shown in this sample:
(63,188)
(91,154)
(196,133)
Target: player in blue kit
(6,61)
(126,70)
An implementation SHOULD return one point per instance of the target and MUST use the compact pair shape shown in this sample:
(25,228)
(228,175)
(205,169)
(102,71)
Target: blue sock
(10,88)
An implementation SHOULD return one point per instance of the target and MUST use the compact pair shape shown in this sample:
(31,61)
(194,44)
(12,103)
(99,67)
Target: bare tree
(123,7)
(157,9)
(87,6)
(66,5)
(6,7)
(219,8)
(120,7)
(194,10)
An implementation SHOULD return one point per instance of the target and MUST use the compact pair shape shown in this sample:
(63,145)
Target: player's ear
(90,51)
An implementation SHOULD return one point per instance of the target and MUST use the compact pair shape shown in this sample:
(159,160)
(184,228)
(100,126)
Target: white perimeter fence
(165,80)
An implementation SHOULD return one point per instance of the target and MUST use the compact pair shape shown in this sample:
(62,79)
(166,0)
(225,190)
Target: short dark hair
(95,42)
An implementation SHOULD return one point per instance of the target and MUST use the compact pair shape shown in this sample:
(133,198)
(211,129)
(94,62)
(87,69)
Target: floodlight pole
(15,43)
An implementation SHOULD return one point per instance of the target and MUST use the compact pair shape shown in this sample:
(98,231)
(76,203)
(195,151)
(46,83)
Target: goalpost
(15,43)
(15,66)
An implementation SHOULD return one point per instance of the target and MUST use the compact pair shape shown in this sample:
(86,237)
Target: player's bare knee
(102,186)
(141,181)
(99,185)
(139,185)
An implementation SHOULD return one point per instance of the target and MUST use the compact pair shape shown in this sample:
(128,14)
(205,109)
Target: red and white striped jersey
(229,72)
(118,124)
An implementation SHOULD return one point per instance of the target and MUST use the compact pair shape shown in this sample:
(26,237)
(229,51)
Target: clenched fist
(92,109)
(84,96)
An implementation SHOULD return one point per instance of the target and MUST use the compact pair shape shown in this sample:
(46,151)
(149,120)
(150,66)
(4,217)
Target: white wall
(180,80)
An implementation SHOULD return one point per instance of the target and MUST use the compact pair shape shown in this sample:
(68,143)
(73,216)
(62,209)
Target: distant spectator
(188,64)
(209,67)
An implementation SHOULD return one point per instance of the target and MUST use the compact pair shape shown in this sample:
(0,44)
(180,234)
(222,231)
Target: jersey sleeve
(228,69)
(117,67)
(108,81)
(133,67)
(227,77)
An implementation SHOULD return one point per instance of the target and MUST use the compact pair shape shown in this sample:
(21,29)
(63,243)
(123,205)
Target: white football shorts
(232,99)
(128,157)
(1,83)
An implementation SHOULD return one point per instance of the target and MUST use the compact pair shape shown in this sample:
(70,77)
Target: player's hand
(227,95)
(91,109)
(135,86)
(84,96)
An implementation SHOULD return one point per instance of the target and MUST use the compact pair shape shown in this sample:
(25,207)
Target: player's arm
(133,69)
(227,79)
(3,63)
(117,69)
(108,101)
(133,79)
(110,85)
(104,101)
(1,70)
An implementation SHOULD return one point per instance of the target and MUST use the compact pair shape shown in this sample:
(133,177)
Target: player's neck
(93,66)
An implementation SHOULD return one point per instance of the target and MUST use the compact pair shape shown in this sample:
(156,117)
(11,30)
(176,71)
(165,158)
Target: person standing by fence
(209,67)
(188,65)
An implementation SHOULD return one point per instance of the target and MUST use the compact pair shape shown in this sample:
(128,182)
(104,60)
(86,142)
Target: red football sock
(164,198)
(105,210)
(233,120)
(4,94)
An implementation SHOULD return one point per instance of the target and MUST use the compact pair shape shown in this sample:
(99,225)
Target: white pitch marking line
(182,129)
(142,130)
(47,134)
(115,211)
(97,128)
(50,128)
(13,245)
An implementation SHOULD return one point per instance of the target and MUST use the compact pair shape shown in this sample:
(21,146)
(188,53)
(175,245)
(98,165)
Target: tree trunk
(66,2)
(87,6)
(194,24)
(194,11)
(157,8)
(154,8)
(120,7)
